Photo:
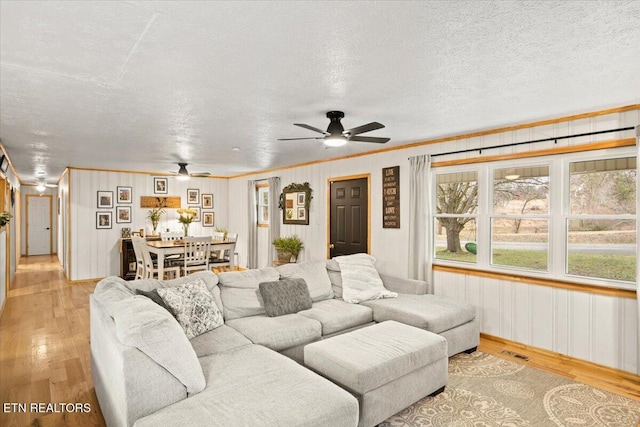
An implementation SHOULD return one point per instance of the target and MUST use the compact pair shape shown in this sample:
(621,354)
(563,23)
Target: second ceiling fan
(336,135)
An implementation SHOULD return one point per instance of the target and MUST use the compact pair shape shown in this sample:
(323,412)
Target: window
(520,220)
(601,226)
(263,205)
(455,221)
(569,217)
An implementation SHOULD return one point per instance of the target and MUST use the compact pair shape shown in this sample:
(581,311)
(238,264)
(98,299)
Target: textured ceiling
(141,85)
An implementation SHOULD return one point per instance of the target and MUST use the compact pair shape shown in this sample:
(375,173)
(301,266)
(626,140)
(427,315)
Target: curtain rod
(513,144)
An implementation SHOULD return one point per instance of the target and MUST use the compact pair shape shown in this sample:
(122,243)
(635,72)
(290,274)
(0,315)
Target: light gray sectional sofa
(147,373)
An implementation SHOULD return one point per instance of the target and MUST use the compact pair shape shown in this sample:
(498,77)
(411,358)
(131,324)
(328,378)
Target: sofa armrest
(128,383)
(404,286)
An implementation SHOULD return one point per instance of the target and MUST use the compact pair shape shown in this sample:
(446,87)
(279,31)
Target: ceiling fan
(184,175)
(336,135)
(41,185)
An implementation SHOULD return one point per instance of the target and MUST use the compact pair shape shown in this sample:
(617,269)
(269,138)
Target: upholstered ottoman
(387,366)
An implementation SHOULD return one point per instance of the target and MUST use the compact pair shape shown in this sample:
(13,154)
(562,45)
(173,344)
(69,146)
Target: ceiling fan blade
(302,125)
(369,139)
(200,174)
(365,128)
(298,139)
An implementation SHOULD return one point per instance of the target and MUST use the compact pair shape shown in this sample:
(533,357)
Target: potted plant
(288,248)
(4,218)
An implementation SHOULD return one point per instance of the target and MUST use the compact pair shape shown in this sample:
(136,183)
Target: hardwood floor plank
(45,354)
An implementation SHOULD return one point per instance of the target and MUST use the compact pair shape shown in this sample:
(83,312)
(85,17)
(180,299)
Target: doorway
(39,232)
(349,220)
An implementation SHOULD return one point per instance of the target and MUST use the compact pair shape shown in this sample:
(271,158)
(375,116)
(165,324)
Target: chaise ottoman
(387,366)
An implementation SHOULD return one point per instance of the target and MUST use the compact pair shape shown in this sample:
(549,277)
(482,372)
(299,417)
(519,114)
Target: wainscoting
(597,328)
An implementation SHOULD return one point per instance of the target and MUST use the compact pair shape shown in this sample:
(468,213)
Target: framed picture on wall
(207,201)
(124,195)
(196,217)
(123,214)
(208,219)
(103,220)
(4,163)
(193,196)
(160,186)
(105,199)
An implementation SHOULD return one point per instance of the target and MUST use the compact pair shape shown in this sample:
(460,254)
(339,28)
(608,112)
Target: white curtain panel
(252,229)
(638,240)
(274,217)
(419,217)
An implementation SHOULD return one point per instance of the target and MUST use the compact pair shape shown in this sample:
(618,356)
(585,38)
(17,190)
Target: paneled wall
(591,327)
(63,222)
(8,247)
(601,329)
(95,252)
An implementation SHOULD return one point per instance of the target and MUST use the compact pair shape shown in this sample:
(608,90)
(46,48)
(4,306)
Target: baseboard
(573,361)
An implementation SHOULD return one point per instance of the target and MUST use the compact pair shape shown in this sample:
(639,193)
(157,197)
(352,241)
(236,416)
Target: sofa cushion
(336,315)
(335,277)
(285,296)
(110,291)
(209,279)
(435,313)
(194,306)
(278,333)
(143,324)
(218,340)
(254,386)
(314,272)
(240,294)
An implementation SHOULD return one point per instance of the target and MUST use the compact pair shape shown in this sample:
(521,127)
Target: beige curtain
(252,229)
(274,217)
(419,219)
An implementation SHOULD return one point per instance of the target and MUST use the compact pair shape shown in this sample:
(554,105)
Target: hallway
(44,348)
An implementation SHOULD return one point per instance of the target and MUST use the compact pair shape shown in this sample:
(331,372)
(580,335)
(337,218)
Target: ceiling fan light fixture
(41,187)
(183,174)
(511,174)
(335,141)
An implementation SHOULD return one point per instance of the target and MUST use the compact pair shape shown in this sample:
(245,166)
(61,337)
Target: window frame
(558,214)
(261,188)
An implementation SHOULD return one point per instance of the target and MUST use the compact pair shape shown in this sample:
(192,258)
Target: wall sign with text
(391,197)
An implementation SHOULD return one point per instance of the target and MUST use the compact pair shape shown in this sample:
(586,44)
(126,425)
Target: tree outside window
(263,205)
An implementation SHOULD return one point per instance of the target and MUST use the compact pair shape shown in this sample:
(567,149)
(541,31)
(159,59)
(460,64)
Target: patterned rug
(487,391)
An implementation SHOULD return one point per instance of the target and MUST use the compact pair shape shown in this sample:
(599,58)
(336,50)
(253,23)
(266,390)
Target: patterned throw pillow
(194,306)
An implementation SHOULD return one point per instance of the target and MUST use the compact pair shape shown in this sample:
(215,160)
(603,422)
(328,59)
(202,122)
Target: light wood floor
(44,350)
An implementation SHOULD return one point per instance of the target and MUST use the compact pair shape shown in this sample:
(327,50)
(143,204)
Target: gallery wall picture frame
(125,232)
(103,220)
(105,199)
(197,216)
(123,214)
(193,196)
(208,219)
(124,195)
(207,201)
(160,185)
(4,164)
(295,201)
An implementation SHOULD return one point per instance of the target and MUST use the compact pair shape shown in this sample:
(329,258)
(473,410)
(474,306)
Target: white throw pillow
(194,306)
(360,279)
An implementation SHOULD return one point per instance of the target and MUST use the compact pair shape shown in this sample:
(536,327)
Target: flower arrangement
(156,213)
(185,216)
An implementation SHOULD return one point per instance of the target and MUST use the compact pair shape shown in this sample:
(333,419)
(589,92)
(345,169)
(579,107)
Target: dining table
(163,248)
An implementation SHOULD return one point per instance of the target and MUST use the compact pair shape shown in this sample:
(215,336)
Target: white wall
(591,327)
(95,252)
(62,222)
(12,250)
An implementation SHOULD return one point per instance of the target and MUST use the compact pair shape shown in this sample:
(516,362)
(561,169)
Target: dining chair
(197,251)
(222,261)
(166,236)
(150,269)
(135,241)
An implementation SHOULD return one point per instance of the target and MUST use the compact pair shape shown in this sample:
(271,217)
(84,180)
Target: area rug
(486,391)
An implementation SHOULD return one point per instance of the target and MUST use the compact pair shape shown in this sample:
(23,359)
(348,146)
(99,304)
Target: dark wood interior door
(349,217)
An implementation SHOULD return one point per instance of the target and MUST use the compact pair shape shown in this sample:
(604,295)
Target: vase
(185,228)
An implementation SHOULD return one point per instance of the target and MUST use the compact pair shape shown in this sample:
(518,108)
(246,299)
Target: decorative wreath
(291,188)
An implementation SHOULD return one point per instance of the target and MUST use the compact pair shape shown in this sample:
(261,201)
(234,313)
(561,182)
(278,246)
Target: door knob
(47,228)
(331,246)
